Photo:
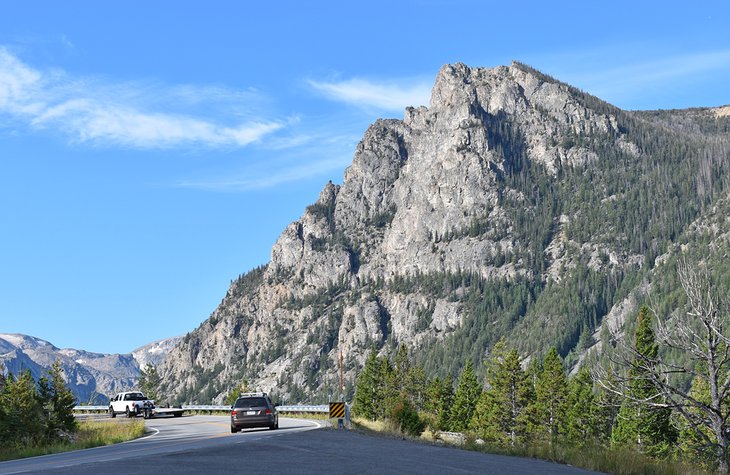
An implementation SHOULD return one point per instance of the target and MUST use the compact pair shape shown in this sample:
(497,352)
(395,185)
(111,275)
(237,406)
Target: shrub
(405,417)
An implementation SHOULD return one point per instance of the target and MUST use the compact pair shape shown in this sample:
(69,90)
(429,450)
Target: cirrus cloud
(387,96)
(87,110)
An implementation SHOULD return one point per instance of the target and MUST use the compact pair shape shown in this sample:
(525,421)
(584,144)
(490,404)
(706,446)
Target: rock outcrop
(452,227)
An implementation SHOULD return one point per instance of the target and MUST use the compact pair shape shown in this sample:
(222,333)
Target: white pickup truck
(131,404)
(134,403)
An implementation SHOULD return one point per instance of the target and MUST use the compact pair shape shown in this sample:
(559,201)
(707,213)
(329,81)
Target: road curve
(204,444)
(166,436)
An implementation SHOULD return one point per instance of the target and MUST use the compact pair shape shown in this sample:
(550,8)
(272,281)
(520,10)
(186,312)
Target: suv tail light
(233,413)
(268,411)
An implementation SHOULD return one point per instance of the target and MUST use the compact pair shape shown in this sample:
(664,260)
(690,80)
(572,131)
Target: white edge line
(157,431)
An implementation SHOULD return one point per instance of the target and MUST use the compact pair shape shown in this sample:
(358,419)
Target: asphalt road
(204,444)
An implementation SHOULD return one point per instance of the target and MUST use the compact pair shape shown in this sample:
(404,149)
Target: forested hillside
(514,206)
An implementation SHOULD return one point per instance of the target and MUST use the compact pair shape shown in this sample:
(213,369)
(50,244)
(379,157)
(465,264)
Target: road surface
(204,444)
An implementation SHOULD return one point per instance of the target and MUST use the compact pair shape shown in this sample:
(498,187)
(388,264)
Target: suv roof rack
(259,394)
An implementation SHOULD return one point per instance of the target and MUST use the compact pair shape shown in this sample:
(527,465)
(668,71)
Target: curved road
(204,444)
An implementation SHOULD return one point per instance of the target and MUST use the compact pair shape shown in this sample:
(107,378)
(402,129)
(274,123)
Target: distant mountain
(155,352)
(513,206)
(92,377)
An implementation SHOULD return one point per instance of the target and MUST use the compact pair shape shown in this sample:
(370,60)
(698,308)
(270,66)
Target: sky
(152,152)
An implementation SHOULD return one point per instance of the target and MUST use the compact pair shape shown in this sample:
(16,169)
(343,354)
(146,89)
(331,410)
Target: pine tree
(648,428)
(689,443)
(23,410)
(367,397)
(401,365)
(149,381)
(446,401)
(439,398)
(465,399)
(416,384)
(551,397)
(58,403)
(609,403)
(502,413)
(584,415)
(387,388)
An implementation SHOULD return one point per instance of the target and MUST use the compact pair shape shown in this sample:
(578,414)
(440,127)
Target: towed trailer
(168,411)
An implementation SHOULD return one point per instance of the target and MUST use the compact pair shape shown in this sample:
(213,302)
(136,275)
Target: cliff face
(469,220)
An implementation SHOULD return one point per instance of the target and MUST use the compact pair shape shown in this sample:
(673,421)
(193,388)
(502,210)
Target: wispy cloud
(257,180)
(304,162)
(639,77)
(133,114)
(387,96)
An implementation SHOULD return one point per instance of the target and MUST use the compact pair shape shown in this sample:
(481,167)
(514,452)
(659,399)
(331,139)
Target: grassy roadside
(90,434)
(323,416)
(598,458)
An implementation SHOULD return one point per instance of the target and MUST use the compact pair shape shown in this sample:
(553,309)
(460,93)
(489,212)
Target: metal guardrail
(323,408)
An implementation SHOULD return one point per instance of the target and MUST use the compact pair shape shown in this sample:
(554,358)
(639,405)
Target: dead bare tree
(700,333)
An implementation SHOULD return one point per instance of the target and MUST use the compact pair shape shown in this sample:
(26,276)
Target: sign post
(337,410)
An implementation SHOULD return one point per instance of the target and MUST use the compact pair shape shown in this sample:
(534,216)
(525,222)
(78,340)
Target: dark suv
(253,410)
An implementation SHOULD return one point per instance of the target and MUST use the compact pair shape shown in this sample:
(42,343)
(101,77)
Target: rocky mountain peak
(451,228)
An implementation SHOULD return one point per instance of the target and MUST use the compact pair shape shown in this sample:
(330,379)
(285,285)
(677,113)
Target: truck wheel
(126,411)
(112,414)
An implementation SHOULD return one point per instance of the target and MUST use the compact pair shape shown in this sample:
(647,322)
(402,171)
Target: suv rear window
(251,402)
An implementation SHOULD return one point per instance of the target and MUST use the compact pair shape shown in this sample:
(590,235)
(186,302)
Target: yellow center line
(222,424)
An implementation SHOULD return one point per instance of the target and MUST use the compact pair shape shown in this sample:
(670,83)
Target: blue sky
(149,154)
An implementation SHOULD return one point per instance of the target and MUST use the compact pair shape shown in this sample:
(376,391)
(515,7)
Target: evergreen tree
(149,381)
(367,395)
(446,401)
(387,388)
(401,365)
(433,394)
(551,397)
(438,402)
(584,415)
(23,410)
(610,404)
(502,413)
(409,380)
(691,444)
(416,384)
(465,399)
(58,403)
(648,428)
